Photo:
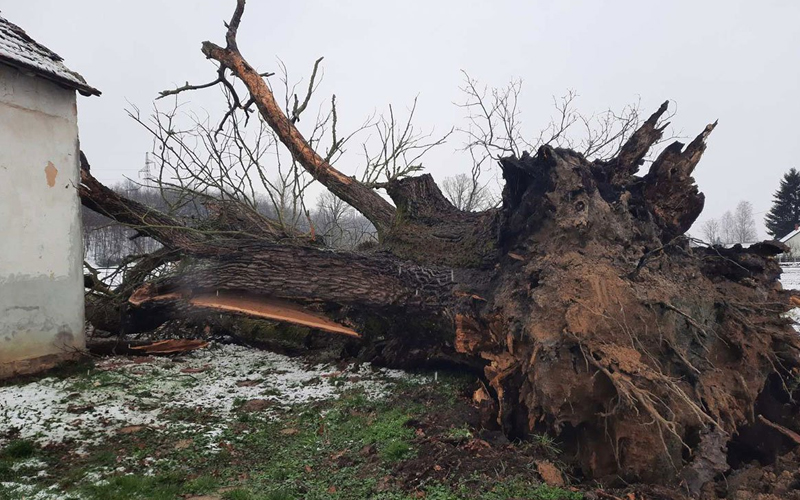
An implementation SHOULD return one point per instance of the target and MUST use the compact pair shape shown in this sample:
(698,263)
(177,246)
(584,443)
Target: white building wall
(41,249)
(794,244)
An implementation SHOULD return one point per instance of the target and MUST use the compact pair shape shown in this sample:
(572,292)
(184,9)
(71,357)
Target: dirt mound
(779,481)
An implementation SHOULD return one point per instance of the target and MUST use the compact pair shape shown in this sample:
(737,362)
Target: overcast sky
(736,61)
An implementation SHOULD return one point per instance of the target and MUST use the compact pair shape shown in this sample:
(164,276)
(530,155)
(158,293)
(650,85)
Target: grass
(459,433)
(546,442)
(130,487)
(19,449)
(331,450)
(14,452)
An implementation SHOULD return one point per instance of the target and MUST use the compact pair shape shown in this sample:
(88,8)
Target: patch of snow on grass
(124,392)
(31,463)
(31,492)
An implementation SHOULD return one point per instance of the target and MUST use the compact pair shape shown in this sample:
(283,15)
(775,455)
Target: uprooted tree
(581,300)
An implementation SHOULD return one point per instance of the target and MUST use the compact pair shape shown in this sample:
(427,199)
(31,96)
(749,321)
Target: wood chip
(256,405)
(481,395)
(199,369)
(550,474)
(183,444)
(130,429)
(171,346)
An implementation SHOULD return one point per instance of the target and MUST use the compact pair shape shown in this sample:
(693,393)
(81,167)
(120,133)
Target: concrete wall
(41,249)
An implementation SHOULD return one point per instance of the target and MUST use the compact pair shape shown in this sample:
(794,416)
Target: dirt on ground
(491,456)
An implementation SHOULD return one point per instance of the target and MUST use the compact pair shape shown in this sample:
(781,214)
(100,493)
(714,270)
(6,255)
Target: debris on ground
(172,346)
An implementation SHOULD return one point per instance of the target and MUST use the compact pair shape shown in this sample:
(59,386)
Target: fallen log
(590,313)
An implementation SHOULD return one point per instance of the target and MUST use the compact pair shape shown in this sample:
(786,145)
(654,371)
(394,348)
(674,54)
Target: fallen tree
(589,312)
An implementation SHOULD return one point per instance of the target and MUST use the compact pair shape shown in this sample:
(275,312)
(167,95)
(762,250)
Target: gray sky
(738,61)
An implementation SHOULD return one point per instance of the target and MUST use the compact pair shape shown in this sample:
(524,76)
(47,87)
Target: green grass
(332,450)
(132,487)
(531,491)
(462,432)
(19,449)
(238,494)
(200,485)
(13,452)
(546,442)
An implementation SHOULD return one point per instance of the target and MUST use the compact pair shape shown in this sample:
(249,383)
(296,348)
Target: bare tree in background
(728,228)
(735,227)
(494,128)
(340,225)
(744,225)
(712,231)
(466,193)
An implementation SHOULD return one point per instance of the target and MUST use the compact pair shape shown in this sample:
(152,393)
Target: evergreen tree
(785,211)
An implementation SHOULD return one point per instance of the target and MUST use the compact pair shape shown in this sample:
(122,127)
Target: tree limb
(362,198)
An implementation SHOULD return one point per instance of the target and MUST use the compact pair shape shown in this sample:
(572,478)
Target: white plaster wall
(794,244)
(41,249)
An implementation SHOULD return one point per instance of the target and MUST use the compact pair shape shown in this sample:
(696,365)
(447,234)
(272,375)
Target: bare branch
(297,110)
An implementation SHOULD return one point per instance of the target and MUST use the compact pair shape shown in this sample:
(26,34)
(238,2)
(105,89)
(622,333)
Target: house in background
(792,240)
(41,250)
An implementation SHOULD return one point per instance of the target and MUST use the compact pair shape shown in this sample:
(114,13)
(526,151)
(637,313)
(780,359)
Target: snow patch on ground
(121,394)
(790,278)
(32,492)
(124,392)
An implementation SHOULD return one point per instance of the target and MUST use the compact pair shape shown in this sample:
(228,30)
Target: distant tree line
(734,227)
(739,226)
(107,243)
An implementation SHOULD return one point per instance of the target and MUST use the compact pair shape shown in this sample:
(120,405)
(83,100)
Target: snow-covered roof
(19,50)
(790,236)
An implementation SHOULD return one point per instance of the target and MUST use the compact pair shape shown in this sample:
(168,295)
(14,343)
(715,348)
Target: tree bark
(365,200)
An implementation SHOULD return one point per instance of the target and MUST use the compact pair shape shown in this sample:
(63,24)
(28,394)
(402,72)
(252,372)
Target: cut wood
(172,346)
(262,307)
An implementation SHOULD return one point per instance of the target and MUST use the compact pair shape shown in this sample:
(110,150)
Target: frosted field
(790,279)
(122,395)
